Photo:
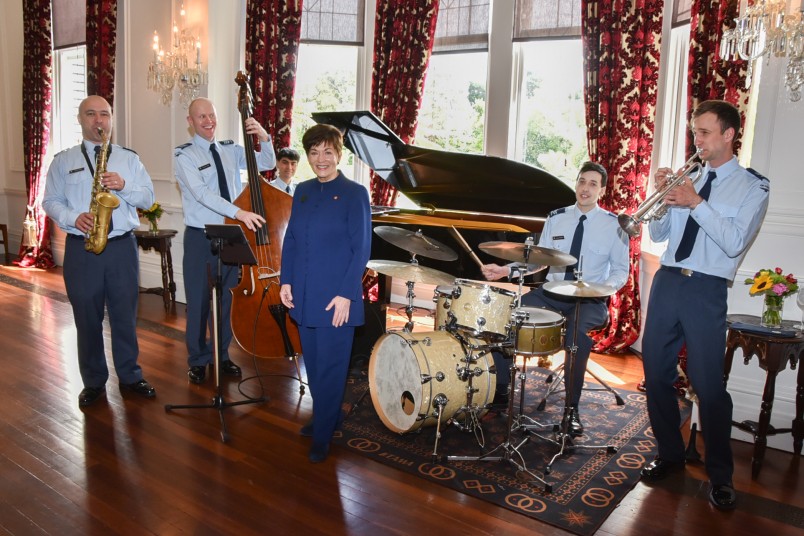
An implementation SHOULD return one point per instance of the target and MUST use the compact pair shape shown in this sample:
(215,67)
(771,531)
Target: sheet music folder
(234,248)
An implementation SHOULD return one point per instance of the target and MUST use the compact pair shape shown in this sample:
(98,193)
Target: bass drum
(408,372)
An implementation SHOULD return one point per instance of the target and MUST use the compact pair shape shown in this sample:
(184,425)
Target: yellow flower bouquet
(152,214)
(775,287)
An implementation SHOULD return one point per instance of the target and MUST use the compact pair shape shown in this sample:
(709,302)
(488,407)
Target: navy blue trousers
(692,310)
(592,314)
(108,280)
(199,265)
(327,351)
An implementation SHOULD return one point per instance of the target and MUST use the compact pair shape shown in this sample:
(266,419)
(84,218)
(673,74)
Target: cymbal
(527,253)
(416,242)
(579,289)
(411,272)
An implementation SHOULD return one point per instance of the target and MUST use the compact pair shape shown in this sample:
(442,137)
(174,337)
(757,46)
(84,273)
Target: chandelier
(179,67)
(765,29)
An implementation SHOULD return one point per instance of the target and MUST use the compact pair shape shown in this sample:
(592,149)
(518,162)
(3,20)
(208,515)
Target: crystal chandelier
(175,68)
(765,29)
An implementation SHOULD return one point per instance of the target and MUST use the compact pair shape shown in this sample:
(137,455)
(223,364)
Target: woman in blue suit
(325,252)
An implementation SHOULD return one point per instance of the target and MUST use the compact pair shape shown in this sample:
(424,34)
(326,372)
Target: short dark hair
(594,166)
(287,152)
(727,114)
(318,134)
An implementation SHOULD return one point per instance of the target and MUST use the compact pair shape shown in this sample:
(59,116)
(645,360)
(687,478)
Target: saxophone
(102,203)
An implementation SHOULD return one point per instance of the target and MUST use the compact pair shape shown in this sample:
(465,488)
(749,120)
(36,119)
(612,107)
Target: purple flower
(780,289)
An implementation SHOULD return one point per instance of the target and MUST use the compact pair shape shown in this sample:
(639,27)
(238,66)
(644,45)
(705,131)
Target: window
(69,89)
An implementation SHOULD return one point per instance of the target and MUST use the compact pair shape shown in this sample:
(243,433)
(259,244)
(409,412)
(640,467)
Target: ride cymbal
(411,272)
(579,289)
(416,242)
(527,253)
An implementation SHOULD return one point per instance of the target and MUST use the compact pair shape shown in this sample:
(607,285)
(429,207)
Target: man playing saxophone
(107,279)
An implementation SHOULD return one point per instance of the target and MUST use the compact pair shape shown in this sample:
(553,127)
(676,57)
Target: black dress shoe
(723,497)
(659,469)
(142,388)
(197,374)
(500,397)
(230,369)
(89,395)
(318,452)
(575,426)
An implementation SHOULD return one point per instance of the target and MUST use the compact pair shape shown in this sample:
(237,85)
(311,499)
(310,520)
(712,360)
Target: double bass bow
(260,322)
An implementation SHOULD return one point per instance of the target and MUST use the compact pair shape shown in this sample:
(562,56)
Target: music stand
(230,246)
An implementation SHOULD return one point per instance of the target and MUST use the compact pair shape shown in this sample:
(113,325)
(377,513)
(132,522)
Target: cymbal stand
(410,296)
(563,438)
(508,451)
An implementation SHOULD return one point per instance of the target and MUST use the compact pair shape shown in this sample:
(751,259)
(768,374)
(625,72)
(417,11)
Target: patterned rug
(585,485)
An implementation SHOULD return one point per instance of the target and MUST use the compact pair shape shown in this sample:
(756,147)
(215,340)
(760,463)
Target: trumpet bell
(629,224)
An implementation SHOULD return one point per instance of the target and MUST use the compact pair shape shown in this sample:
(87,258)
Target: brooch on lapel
(335,198)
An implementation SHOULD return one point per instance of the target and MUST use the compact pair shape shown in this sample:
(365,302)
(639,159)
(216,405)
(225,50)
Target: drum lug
(481,322)
(426,378)
(485,298)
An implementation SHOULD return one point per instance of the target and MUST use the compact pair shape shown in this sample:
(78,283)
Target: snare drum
(407,371)
(538,331)
(482,310)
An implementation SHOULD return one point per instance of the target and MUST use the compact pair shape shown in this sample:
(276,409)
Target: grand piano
(486,198)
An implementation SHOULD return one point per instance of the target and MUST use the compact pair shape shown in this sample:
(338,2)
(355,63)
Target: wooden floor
(126,466)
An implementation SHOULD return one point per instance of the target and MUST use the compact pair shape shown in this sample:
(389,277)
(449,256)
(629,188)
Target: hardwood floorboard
(128,466)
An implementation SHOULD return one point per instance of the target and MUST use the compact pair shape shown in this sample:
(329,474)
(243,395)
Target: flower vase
(154,226)
(772,312)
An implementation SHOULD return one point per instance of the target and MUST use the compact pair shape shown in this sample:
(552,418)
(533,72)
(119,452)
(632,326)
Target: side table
(160,242)
(774,352)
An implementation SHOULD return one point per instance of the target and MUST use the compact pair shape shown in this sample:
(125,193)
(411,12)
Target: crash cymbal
(579,289)
(527,253)
(416,242)
(411,272)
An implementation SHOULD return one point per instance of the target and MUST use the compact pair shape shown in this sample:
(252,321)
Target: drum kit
(447,376)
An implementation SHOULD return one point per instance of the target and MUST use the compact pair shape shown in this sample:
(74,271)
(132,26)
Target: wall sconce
(179,67)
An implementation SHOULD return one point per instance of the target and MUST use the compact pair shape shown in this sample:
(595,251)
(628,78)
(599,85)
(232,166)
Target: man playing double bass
(208,173)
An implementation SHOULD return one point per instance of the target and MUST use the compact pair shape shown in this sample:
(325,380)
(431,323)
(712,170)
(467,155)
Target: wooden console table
(774,352)
(160,242)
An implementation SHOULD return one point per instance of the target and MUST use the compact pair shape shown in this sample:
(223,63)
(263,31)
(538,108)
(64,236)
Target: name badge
(205,166)
(559,237)
(76,170)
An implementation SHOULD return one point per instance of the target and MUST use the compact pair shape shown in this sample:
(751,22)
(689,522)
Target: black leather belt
(686,272)
(120,237)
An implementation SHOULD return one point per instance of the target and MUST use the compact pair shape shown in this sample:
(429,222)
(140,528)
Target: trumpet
(654,207)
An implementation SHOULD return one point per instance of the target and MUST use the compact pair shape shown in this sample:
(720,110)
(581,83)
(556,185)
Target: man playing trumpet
(708,227)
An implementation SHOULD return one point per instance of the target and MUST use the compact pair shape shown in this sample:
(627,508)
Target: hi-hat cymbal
(416,242)
(527,253)
(411,272)
(579,289)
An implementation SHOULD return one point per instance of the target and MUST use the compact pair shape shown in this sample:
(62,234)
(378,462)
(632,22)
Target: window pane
(462,25)
(551,127)
(682,12)
(547,18)
(454,105)
(69,90)
(328,21)
(326,81)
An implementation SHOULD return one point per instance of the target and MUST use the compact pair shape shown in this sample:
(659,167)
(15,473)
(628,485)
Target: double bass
(260,323)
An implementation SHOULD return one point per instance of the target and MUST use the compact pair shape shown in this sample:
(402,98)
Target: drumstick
(465,245)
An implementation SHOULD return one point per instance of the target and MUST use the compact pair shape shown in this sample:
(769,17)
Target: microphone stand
(240,253)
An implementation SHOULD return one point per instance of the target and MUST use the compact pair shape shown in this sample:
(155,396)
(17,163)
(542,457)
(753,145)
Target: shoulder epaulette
(609,213)
(226,142)
(557,211)
(130,150)
(184,145)
(757,174)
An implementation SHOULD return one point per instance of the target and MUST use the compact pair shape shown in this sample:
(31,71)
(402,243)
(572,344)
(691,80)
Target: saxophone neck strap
(89,160)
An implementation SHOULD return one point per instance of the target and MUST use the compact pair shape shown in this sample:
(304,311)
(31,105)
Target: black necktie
(97,154)
(692,227)
(224,190)
(575,247)
(287,188)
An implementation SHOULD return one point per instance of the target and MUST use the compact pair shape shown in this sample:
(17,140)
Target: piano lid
(448,180)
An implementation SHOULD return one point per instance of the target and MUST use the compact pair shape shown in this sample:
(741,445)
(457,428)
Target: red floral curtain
(403,41)
(709,77)
(37,75)
(273,30)
(621,62)
(101,47)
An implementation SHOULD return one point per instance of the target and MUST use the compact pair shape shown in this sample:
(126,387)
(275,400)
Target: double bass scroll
(260,323)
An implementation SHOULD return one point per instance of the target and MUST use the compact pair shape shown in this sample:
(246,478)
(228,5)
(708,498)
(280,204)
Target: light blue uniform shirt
(604,249)
(68,190)
(729,222)
(279,184)
(198,178)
